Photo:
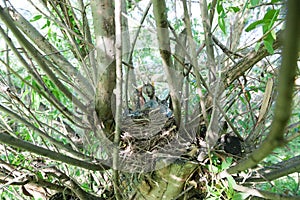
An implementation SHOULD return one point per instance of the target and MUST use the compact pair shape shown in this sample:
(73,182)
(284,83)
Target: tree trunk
(103,17)
(166,183)
(161,19)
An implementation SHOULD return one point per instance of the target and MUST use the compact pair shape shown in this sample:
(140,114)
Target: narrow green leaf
(209,6)
(273,34)
(254,88)
(77,173)
(268,21)
(254,25)
(47,24)
(231,181)
(221,23)
(220,7)
(269,46)
(270,18)
(248,95)
(226,163)
(85,186)
(257,46)
(240,195)
(275,17)
(242,100)
(35,18)
(234,9)
(39,174)
(269,14)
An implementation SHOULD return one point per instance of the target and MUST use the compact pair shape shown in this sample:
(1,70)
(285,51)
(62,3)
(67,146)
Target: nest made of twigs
(148,131)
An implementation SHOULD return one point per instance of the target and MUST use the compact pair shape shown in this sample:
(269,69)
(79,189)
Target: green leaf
(273,34)
(240,195)
(47,24)
(77,173)
(254,25)
(269,46)
(212,198)
(209,6)
(220,7)
(254,88)
(85,186)
(242,99)
(269,19)
(257,46)
(222,25)
(231,181)
(39,175)
(248,95)
(234,9)
(34,84)
(254,2)
(226,163)
(213,168)
(271,13)
(35,18)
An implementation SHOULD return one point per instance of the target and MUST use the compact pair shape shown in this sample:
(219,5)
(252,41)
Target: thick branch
(119,92)
(104,26)
(208,39)
(278,170)
(285,90)
(56,57)
(6,18)
(264,194)
(169,181)
(161,19)
(45,92)
(18,143)
(40,133)
(249,60)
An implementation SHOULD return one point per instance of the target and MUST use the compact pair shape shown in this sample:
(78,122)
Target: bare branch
(56,57)
(285,90)
(206,21)
(38,58)
(18,143)
(246,63)
(44,91)
(264,194)
(119,92)
(276,171)
(160,14)
(40,132)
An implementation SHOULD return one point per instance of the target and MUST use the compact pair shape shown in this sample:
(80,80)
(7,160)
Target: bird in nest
(143,106)
(140,99)
(149,90)
(154,101)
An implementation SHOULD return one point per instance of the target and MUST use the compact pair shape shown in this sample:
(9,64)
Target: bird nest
(144,135)
(148,131)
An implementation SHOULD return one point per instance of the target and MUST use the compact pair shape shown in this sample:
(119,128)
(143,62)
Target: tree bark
(161,19)
(284,100)
(104,26)
(166,183)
